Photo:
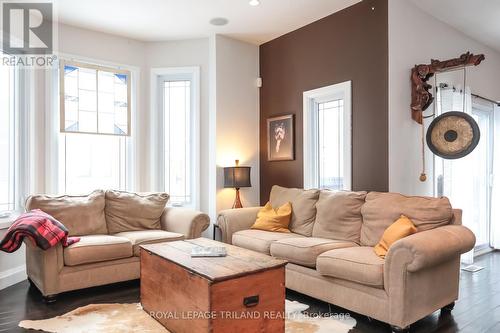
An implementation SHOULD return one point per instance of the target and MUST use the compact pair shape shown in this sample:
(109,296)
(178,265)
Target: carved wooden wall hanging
(421,97)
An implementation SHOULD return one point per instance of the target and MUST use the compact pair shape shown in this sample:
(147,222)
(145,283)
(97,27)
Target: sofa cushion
(96,248)
(81,215)
(403,227)
(339,215)
(270,219)
(303,207)
(382,209)
(305,250)
(357,264)
(127,211)
(138,238)
(259,240)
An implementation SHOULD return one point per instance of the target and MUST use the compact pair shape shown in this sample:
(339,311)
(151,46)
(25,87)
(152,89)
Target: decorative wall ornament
(421,97)
(453,142)
(453,135)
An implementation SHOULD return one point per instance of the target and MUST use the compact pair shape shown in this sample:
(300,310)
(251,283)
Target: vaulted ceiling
(479,19)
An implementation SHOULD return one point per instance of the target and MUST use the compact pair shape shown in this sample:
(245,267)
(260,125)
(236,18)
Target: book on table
(208,251)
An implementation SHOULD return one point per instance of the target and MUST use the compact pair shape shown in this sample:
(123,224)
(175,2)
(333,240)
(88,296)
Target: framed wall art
(280,138)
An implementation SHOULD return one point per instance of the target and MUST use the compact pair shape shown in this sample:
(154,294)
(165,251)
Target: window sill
(6,222)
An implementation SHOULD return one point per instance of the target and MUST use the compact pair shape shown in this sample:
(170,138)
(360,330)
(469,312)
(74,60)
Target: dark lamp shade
(237,177)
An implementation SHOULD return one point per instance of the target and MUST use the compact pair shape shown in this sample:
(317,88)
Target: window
(327,137)
(96,99)
(331,137)
(95,128)
(178,122)
(7,139)
(88,162)
(470,191)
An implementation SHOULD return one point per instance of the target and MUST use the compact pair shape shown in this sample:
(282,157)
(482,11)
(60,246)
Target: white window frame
(52,123)
(311,99)
(158,132)
(12,157)
(22,173)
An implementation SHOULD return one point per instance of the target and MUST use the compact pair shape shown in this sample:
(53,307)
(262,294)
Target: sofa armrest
(188,222)
(43,267)
(421,272)
(431,247)
(233,220)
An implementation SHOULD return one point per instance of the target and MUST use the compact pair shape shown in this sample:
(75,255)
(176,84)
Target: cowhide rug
(124,318)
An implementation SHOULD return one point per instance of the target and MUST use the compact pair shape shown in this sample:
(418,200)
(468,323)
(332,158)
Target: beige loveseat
(112,225)
(331,257)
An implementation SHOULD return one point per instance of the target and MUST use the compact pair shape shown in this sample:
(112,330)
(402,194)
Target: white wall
(229,110)
(415,37)
(12,267)
(186,53)
(237,105)
(98,45)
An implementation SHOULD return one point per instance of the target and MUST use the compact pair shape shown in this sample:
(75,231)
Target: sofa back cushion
(127,211)
(382,209)
(303,207)
(339,215)
(81,215)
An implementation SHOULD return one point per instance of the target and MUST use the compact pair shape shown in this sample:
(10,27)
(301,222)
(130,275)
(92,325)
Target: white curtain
(495,195)
(456,178)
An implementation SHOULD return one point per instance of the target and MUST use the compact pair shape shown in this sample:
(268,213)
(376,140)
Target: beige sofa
(331,257)
(112,225)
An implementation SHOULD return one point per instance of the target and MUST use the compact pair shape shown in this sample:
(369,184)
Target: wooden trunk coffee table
(242,292)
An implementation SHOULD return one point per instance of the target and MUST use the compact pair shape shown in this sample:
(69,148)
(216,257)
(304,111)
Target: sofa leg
(448,308)
(49,299)
(32,285)
(397,329)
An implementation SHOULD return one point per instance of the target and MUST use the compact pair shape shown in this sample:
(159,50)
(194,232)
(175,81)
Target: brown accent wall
(349,45)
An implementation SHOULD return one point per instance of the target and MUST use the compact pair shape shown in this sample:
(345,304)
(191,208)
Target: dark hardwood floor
(477,310)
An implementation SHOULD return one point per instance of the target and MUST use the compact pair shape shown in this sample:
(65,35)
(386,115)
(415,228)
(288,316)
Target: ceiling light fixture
(219,21)
(254,2)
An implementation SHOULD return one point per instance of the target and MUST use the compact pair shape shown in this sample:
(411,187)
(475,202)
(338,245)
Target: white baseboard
(12,276)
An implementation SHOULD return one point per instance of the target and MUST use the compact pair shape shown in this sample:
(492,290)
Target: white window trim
(24,141)
(310,122)
(97,68)
(52,122)
(157,159)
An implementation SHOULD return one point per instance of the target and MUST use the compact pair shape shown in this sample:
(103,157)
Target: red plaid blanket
(43,230)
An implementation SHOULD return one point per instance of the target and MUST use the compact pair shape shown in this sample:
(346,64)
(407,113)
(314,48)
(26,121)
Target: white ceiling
(479,19)
(159,20)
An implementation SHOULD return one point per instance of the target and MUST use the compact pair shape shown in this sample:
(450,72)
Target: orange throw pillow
(401,228)
(270,219)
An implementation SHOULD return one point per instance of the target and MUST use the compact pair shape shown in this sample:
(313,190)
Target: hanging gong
(453,135)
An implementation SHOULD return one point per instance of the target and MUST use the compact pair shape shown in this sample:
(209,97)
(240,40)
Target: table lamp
(237,177)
